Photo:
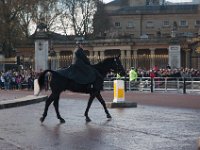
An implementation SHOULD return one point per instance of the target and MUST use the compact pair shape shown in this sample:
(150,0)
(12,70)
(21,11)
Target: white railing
(179,85)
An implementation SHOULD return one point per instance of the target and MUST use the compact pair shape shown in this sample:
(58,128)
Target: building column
(53,62)
(128,59)
(135,63)
(101,55)
(123,58)
(187,58)
(57,60)
(96,56)
(91,56)
(152,60)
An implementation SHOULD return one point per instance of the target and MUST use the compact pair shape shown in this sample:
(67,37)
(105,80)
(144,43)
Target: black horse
(59,83)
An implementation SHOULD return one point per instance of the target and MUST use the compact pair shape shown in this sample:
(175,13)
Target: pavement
(14,98)
(19,97)
(141,128)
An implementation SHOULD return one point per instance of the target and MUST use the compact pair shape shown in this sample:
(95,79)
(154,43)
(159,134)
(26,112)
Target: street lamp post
(125,77)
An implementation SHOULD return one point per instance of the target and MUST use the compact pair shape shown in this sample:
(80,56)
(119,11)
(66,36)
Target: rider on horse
(82,71)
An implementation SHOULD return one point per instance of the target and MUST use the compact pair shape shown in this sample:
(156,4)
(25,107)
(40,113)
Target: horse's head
(117,66)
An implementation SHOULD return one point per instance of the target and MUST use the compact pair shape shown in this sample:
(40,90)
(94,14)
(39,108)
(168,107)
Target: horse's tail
(40,82)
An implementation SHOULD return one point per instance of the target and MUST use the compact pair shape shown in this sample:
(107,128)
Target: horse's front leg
(88,107)
(56,106)
(101,100)
(47,104)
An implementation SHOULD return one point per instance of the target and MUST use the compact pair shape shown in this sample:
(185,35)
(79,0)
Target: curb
(121,105)
(30,99)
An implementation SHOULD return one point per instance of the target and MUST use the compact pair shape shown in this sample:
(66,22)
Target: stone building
(155,26)
(145,32)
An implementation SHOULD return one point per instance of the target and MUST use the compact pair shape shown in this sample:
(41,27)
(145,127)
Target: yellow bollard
(119,97)
(119,92)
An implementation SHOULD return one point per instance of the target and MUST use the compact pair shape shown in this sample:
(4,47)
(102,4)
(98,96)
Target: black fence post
(151,85)
(184,85)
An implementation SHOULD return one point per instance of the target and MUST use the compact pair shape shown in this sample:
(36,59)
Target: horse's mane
(103,62)
(103,66)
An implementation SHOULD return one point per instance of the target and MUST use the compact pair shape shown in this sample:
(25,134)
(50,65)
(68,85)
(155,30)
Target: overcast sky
(175,1)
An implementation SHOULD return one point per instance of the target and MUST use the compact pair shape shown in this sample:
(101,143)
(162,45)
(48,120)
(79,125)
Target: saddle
(65,72)
(82,75)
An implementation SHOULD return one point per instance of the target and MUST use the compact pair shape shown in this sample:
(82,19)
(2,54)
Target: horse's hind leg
(92,96)
(47,103)
(101,100)
(56,106)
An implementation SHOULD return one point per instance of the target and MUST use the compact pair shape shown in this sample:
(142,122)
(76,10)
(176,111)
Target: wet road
(141,128)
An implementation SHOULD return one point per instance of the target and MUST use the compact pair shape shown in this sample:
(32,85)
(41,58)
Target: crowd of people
(134,73)
(168,72)
(24,79)
(13,79)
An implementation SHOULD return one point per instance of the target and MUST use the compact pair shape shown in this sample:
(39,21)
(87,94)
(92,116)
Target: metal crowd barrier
(163,84)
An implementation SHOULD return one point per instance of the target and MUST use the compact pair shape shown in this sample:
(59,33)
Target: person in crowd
(168,66)
(118,77)
(2,80)
(30,82)
(7,80)
(152,74)
(13,81)
(133,75)
(19,81)
(155,68)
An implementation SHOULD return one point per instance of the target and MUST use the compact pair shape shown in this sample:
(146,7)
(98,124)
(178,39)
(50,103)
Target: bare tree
(88,8)
(79,13)
(9,24)
(18,16)
(64,23)
(26,16)
(70,13)
(47,12)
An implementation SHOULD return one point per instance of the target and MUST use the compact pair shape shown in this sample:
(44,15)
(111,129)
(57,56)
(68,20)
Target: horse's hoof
(109,116)
(62,120)
(87,119)
(42,119)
